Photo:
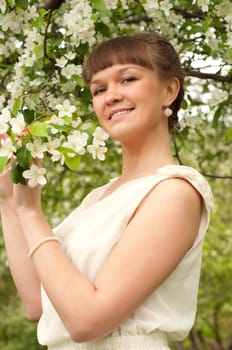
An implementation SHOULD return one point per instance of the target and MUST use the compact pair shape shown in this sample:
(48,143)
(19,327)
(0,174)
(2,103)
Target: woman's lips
(118,113)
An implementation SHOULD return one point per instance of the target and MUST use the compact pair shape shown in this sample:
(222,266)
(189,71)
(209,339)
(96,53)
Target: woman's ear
(172,88)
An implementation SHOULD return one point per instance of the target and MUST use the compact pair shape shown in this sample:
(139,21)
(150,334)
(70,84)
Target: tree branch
(187,14)
(198,74)
(53,4)
(212,176)
(177,154)
(138,20)
(46,34)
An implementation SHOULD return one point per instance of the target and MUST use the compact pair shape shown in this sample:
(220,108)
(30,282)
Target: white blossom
(111,4)
(56,121)
(35,176)
(35,82)
(224,9)
(18,124)
(203,4)
(70,70)
(5,117)
(3,127)
(76,123)
(52,145)
(165,7)
(97,151)
(100,136)
(2,6)
(77,141)
(7,148)
(65,109)
(70,55)
(37,149)
(61,62)
(57,156)
(217,96)
(79,23)
(15,86)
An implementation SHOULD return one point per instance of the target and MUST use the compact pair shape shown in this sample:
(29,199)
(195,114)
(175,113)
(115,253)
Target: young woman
(125,274)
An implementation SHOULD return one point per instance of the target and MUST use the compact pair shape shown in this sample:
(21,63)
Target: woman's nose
(113,95)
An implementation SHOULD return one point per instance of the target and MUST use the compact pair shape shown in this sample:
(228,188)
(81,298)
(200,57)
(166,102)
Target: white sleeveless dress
(88,235)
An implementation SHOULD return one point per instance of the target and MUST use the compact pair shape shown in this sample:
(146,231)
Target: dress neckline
(103,196)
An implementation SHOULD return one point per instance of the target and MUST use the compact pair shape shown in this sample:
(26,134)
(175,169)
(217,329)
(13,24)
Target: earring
(168,112)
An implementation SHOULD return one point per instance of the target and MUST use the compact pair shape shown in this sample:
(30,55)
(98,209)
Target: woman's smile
(120,113)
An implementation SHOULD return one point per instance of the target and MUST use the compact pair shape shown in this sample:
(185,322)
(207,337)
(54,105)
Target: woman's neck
(144,158)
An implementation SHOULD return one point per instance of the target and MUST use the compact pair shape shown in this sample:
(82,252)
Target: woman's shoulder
(193,176)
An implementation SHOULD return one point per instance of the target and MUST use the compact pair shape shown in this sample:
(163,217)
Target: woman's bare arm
(22,269)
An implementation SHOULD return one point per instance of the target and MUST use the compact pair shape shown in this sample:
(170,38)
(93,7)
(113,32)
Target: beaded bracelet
(40,242)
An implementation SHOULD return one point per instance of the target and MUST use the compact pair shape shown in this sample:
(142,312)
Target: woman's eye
(98,91)
(128,79)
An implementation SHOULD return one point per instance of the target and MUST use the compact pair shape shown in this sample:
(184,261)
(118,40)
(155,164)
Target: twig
(213,176)
(46,33)
(177,154)
(198,74)
(188,14)
(53,4)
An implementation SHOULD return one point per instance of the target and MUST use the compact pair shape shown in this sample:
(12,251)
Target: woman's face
(128,100)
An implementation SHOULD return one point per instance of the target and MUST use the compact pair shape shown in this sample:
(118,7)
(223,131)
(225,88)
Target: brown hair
(145,49)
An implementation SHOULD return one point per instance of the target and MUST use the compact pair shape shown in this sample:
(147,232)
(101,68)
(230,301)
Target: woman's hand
(27,198)
(6,186)
(23,196)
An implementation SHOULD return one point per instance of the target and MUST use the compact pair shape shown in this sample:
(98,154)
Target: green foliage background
(204,140)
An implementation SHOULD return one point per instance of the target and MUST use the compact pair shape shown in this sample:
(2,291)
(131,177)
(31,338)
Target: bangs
(120,50)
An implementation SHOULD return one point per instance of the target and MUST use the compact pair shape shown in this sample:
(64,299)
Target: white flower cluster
(111,4)
(32,40)
(78,22)
(153,7)
(57,144)
(18,19)
(203,4)
(217,96)
(224,9)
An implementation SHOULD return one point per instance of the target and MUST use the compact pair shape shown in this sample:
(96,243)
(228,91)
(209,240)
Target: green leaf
(16,106)
(16,174)
(78,80)
(65,128)
(103,29)
(28,115)
(85,96)
(3,163)
(38,129)
(184,104)
(72,163)
(65,150)
(39,50)
(229,53)
(228,135)
(98,4)
(22,3)
(24,157)
(217,116)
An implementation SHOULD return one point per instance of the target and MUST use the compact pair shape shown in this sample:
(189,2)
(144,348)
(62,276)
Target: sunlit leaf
(73,163)
(38,129)
(3,162)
